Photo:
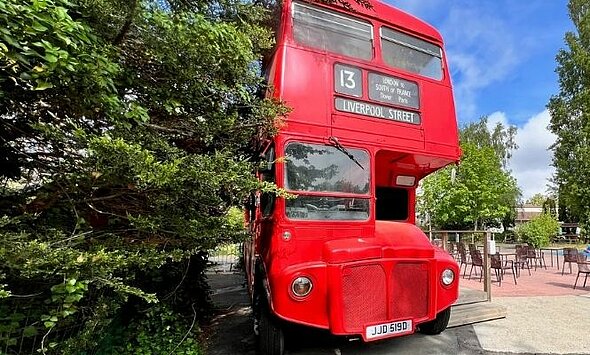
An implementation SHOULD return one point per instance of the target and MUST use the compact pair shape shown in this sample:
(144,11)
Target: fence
(225,258)
(454,236)
(443,238)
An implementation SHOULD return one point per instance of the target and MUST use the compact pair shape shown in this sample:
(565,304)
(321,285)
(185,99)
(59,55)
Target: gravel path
(540,325)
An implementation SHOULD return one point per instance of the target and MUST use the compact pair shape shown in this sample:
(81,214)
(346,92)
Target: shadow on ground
(231,331)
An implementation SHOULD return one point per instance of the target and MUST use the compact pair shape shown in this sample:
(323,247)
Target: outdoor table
(481,248)
(551,250)
(506,254)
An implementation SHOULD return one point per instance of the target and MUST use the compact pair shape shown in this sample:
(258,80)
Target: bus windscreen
(332,32)
(412,54)
(322,168)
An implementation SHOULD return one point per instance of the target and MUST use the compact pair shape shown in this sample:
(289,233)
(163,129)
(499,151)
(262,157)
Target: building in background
(527,212)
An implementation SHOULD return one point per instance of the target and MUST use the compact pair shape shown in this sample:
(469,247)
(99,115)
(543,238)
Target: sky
(501,54)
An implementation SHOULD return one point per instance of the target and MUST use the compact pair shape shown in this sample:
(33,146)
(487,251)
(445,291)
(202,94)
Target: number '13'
(347,79)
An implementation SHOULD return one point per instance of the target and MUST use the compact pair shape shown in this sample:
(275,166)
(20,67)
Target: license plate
(388,329)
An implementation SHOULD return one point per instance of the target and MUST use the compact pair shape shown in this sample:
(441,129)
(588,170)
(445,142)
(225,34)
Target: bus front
(373,114)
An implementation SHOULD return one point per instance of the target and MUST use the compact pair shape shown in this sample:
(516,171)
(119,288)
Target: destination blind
(378,111)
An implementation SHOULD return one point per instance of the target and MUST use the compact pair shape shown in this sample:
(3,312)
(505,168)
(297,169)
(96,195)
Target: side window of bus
(412,54)
(392,204)
(327,30)
(267,199)
(250,207)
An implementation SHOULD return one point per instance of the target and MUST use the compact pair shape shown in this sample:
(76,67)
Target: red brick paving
(542,282)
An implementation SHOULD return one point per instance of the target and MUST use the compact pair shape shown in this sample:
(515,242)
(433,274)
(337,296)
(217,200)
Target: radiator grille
(409,296)
(364,296)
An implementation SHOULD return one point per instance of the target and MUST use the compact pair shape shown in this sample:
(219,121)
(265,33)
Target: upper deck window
(333,32)
(411,54)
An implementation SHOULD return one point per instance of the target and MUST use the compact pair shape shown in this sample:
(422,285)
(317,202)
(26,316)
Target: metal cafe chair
(476,261)
(583,268)
(537,256)
(521,259)
(462,259)
(570,255)
(499,267)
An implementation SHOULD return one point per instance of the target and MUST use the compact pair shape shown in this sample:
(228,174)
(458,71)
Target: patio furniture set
(521,258)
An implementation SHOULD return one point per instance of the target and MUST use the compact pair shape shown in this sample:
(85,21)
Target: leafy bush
(157,330)
(538,231)
(125,138)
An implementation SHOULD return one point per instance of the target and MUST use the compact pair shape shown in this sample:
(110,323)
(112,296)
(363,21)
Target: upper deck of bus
(388,106)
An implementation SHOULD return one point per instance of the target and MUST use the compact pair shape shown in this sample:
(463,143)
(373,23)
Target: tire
(271,339)
(437,325)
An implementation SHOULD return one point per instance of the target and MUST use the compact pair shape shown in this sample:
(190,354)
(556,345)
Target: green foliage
(501,139)
(570,119)
(537,200)
(481,193)
(125,141)
(65,296)
(539,231)
(43,47)
(546,202)
(160,330)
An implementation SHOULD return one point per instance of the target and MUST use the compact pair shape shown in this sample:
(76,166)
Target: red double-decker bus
(372,114)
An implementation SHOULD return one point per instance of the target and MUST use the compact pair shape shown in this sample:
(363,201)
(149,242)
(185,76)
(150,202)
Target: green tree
(570,119)
(481,193)
(125,138)
(539,231)
(501,139)
(537,199)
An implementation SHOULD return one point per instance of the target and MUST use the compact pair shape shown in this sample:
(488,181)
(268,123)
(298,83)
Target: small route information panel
(390,90)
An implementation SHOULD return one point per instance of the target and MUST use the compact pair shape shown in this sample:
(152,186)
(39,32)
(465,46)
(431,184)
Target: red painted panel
(409,290)
(347,250)
(364,296)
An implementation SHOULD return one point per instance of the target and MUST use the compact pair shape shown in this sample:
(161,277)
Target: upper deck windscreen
(333,32)
(411,54)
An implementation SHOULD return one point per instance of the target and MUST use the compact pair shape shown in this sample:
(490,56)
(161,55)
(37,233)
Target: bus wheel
(271,339)
(437,325)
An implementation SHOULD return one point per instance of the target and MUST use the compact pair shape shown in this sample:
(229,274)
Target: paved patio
(541,282)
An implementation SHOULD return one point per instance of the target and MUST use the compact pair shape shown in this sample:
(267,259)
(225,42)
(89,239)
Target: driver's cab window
(392,204)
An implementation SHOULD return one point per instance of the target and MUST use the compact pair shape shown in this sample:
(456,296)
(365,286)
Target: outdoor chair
(570,255)
(537,256)
(452,250)
(476,261)
(521,259)
(462,259)
(583,268)
(461,246)
(499,267)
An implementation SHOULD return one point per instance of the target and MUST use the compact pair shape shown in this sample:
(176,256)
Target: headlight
(447,277)
(301,286)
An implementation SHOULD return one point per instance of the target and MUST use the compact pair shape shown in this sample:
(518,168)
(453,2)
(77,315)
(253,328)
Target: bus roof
(387,13)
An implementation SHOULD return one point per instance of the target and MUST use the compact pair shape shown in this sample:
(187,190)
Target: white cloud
(482,51)
(495,118)
(531,162)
